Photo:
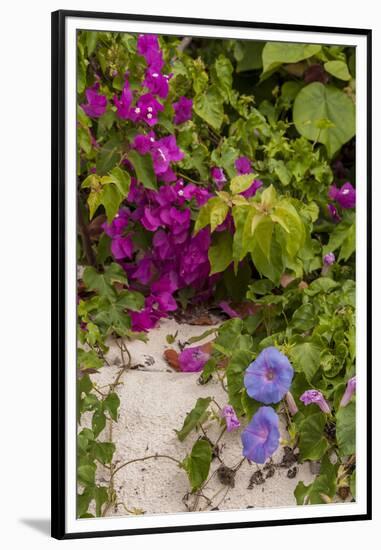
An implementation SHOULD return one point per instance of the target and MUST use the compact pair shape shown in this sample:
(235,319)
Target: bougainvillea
(210,176)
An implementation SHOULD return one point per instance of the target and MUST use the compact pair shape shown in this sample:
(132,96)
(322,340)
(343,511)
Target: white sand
(155,401)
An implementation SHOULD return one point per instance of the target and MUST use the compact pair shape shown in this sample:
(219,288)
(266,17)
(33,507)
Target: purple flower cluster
(121,244)
(345,197)
(96,103)
(176,260)
(147,107)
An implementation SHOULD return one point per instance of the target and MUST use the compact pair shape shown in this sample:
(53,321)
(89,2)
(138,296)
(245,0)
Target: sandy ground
(154,401)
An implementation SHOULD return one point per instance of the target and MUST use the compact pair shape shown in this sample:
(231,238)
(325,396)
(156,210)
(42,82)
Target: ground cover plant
(220,174)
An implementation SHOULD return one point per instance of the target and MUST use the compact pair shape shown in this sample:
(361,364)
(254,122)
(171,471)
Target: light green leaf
(122,180)
(339,69)
(218,212)
(275,54)
(305,357)
(240,183)
(316,102)
(209,106)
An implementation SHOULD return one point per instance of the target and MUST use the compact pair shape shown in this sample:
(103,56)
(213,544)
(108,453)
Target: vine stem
(150,457)
(190,179)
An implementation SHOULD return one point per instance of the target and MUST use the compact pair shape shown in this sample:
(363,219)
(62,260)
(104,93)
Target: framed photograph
(211,185)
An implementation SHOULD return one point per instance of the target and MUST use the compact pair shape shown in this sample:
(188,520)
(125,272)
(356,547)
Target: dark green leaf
(143,167)
(197,463)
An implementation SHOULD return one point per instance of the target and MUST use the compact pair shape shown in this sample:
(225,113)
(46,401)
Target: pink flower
(193,359)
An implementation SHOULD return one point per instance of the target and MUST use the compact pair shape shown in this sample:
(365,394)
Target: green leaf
(240,183)
(130,299)
(304,317)
(312,443)
(111,404)
(239,362)
(194,418)
(197,463)
(339,69)
(287,216)
(218,212)
(248,54)
(83,501)
(316,102)
(143,167)
(103,451)
(88,360)
(276,53)
(209,106)
(111,198)
(346,429)
(86,473)
(268,198)
(271,267)
(122,180)
(98,422)
(349,244)
(305,358)
(100,496)
(224,76)
(263,234)
(103,282)
(220,253)
(109,155)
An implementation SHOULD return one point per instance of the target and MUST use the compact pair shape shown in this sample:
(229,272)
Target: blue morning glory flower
(268,378)
(260,439)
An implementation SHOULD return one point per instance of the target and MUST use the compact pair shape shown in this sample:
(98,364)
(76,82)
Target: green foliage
(253,99)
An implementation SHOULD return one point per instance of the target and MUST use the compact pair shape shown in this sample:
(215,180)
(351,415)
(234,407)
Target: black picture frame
(58,391)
